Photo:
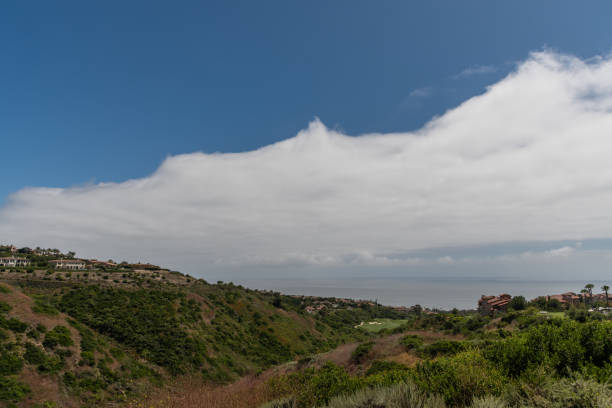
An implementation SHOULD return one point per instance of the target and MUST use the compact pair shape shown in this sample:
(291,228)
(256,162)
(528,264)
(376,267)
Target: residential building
(568,298)
(144,266)
(95,264)
(70,264)
(12,261)
(488,305)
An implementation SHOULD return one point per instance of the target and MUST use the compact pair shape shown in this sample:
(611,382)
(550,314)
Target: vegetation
(107,337)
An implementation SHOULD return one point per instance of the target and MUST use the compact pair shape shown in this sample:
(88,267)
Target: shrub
(361,352)
(34,354)
(59,335)
(12,390)
(328,382)
(518,303)
(562,344)
(489,401)
(380,366)
(14,324)
(4,307)
(281,403)
(444,347)
(10,363)
(460,378)
(43,306)
(576,391)
(399,395)
(412,342)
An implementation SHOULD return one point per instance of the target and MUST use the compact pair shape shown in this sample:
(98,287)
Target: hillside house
(70,264)
(144,267)
(95,264)
(568,298)
(12,261)
(488,305)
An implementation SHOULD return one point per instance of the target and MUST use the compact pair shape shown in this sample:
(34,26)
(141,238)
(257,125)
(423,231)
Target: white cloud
(527,160)
(475,70)
(421,92)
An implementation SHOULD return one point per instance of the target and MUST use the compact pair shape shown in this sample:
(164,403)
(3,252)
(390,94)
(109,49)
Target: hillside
(137,335)
(125,332)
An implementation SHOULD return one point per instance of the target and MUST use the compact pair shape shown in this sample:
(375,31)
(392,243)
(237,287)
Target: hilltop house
(70,264)
(488,305)
(12,261)
(144,267)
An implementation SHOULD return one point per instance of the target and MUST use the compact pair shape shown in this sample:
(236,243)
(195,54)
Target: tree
(583,295)
(589,287)
(518,303)
(606,288)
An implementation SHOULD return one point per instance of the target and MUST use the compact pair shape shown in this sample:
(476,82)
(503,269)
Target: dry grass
(248,392)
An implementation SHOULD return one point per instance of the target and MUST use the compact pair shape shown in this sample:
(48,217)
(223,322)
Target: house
(144,266)
(601,297)
(12,261)
(95,264)
(568,298)
(46,252)
(70,264)
(488,305)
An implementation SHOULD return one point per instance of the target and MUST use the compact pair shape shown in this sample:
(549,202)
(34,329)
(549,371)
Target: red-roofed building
(488,305)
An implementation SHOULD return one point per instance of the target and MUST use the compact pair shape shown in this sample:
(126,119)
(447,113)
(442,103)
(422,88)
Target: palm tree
(606,288)
(584,295)
(589,287)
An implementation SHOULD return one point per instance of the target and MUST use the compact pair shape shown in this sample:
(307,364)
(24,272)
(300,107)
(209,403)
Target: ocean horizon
(439,293)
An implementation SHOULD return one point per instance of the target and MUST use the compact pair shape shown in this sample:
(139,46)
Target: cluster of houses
(489,305)
(74,264)
(66,264)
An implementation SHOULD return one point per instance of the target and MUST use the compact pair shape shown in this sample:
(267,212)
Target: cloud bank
(528,160)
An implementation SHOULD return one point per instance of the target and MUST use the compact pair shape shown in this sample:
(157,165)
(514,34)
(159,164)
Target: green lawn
(381,324)
(560,315)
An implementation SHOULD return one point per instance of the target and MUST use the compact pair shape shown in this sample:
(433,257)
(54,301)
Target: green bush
(412,342)
(43,306)
(34,354)
(562,344)
(13,324)
(146,320)
(4,307)
(12,390)
(575,391)
(361,352)
(59,335)
(444,347)
(10,363)
(380,366)
(460,378)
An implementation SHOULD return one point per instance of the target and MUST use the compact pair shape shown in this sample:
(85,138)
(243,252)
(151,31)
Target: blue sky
(343,137)
(105,91)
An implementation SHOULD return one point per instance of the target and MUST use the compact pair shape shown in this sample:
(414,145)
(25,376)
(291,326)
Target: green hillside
(100,341)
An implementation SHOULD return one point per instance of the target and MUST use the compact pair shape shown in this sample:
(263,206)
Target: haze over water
(443,293)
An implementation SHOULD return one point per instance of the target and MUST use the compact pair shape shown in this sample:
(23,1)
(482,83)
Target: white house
(70,264)
(12,261)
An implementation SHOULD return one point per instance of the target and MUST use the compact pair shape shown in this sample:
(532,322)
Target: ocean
(441,293)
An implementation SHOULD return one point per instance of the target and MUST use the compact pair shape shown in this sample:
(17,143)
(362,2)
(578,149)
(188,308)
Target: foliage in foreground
(553,364)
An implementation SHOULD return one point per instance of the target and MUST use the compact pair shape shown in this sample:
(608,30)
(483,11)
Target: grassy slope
(378,325)
(126,339)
